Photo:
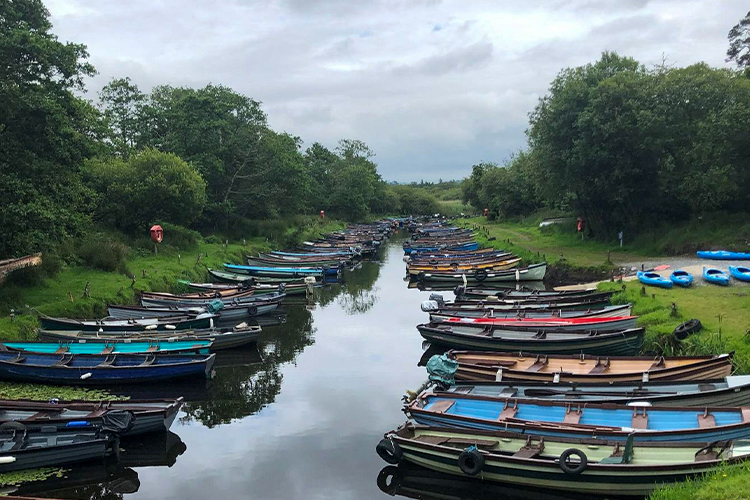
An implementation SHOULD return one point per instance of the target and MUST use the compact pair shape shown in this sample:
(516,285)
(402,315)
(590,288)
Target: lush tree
(147,188)
(739,43)
(121,102)
(45,131)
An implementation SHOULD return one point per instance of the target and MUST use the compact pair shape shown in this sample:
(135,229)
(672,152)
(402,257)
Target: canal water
(298,417)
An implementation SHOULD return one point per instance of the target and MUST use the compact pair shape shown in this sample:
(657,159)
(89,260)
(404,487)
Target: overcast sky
(433,86)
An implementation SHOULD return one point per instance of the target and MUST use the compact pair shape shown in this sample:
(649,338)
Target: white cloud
(431,86)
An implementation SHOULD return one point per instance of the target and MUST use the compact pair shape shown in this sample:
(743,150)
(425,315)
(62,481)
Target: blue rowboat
(723,255)
(741,273)
(345,254)
(90,369)
(105,348)
(653,279)
(452,248)
(681,278)
(715,276)
(581,419)
(278,272)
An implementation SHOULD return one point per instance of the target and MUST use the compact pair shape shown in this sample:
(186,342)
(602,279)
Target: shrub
(180,237)
(104,253)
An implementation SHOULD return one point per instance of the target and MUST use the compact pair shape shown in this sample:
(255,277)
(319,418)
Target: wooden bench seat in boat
(442,405)
(706,421)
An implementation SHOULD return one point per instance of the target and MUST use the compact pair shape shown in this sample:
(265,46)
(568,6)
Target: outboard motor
(430,306)
(459,290)
(438,298)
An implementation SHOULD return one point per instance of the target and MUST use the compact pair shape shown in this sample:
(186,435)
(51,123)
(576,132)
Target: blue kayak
(681,278)
(715,276)
(741,273)
(723,255)
(653,279)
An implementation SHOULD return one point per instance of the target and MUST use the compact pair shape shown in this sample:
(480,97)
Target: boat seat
(108,349)
(539,364)
(600,367)
(621,455)
(530,450)
(153,348)
(148,361)
(62,349)
(710,453)
(108,361)
(706,387)
(706,421)
(18,359)
(64,360)
(745,413)
(442,406)
(431,439)
(508,411)
(572,416)
(660,363)
(640,418)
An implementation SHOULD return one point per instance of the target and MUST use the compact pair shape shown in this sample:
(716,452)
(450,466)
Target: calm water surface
(298,417)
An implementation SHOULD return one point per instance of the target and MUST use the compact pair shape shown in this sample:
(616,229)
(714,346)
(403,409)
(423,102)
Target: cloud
(431,86)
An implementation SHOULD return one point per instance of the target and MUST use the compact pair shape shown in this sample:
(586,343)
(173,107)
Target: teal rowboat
(121,347)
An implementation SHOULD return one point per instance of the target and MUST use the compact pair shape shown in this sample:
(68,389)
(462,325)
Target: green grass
(726,483)
(453,207)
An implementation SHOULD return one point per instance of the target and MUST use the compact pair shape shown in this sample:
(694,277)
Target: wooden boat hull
(531,273)
(581,324)
(172,323)
(580,419)
(502,367)
(500,265)
(154,415)
(219,338)
(53,450)
(552,312)
(624,343)
(732,391)
(93,370)
(278,272)
(226,277)
(261,304)
(60,348)
(598,478)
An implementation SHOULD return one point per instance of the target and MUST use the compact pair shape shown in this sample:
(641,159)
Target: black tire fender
(688,327)
(389,451)
(389,479)
(481,275)
(573,469)
(471,461)
(252,310)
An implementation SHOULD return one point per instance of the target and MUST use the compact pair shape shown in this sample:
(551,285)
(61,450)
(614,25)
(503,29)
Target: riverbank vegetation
(628,148)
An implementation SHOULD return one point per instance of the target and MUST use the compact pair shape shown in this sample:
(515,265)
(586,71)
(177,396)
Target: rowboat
(715,276)
(567,324)
(534,272)
(263,304)
(597,466)
(22,449)
(487,366)
(729,391)
(7,266)
(151,415)
(463,293)
(91,369)
(257,288)
(653,279)
(170,323)
(623,342)
(220,338)
(723,255)
(442,313)
(487,266)
(105,348)
(278,272)
(681,278)
(226,277)
(579,419)
(226,313)
(439,248)
(741,273)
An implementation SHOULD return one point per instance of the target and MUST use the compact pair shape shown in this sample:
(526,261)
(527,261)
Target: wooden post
(86,292)
(200,255)
(70,296)
(143,273)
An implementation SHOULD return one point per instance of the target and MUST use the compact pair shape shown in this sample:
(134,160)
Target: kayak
(741,273)
(681,278)
(653,279)
(723,255)
(715,276)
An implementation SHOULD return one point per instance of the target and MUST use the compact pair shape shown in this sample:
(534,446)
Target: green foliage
(149,187)
(103,252)
(739,43)
(45,131)
(411,200)
(728,482)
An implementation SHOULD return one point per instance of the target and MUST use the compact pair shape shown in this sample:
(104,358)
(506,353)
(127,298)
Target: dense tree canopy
(626,147)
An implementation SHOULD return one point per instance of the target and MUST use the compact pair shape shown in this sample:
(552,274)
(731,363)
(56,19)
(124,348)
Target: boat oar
(7,460)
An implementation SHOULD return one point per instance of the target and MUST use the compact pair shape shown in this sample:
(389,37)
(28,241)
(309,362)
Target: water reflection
(412,481)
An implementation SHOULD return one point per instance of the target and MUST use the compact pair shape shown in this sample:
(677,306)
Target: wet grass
(726,483)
